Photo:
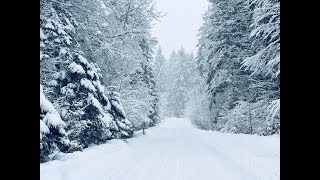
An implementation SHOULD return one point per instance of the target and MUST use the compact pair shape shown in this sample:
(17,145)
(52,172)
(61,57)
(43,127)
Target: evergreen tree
(180,84)
(147,44)
(265,33)
(159,70)
(265,62)
(52,129)
(227,32)
(57,30)
(86,106)
(118,113)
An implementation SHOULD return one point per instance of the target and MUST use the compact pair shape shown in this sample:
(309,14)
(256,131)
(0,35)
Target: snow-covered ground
(173,150)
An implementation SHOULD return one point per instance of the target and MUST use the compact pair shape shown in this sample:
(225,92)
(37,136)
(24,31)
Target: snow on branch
(64,4)
(125,33)
(274,108)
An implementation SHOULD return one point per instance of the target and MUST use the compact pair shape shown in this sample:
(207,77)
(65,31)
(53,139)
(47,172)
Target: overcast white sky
(181,24)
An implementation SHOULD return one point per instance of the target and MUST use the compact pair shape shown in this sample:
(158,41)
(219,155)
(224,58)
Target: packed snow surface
(173,150)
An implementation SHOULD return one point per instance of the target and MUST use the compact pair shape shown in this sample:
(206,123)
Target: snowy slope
(173,150)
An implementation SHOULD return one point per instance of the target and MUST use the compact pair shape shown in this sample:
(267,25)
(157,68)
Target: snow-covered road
(173,150)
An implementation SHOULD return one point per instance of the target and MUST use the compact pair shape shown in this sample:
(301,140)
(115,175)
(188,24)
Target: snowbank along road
(174,150)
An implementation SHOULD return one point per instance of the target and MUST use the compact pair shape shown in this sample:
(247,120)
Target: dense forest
(233,84)
(238,65)
(97,78)
(103,75)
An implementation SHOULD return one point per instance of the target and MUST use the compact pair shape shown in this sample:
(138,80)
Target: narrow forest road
(174,150)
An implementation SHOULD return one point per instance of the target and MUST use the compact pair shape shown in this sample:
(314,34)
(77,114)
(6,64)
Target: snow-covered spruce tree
(118,113)
(52,129)
(181,82)
(228,34)
(57,32)
(170,69)
(159,62)
(147,44)
(265,62)
(179,90)
(161,70)
(265,33)
(86,108)
(57,28)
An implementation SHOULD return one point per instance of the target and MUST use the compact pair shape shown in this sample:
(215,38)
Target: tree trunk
(144,126)
(250,119)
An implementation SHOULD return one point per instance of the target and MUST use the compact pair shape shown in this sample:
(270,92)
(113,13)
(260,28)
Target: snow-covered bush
(136,108)
(250,118)
(197,108)
(273,118)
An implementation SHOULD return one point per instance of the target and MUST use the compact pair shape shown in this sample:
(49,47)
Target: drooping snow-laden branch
(61,3)
(273,108)
(125,33)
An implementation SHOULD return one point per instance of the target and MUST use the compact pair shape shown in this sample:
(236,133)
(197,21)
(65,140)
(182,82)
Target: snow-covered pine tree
(57,31)
(52,129)
(170,107)
(159,62)
(118,113)
(265,62)
(181,84)
(228,44)
(265,33)
(161,71)
(179,90)
(86,106)
(147,44)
